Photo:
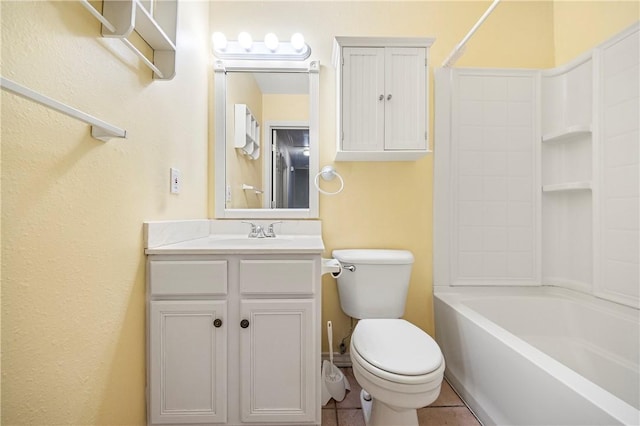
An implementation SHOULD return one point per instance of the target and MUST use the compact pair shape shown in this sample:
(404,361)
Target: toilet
(399,366)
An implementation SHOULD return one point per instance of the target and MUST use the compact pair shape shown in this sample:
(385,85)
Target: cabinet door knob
(381,97)
(244,323)
(217,323)
(389,97)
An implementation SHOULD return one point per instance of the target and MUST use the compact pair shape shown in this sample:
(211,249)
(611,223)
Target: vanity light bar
(270,49)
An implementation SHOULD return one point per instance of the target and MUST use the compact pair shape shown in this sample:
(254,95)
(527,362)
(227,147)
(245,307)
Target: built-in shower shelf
(567,134)
(568,186)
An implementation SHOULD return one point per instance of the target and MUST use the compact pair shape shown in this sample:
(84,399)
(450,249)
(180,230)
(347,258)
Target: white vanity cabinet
(382,98)
(234,338)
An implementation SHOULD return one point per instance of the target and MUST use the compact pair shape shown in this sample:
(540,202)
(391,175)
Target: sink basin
(243,241)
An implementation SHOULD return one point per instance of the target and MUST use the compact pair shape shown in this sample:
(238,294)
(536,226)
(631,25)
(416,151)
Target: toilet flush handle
(351,268)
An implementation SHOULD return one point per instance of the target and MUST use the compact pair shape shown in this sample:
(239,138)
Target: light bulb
(219,41)
(297,41)
(244,38)
(271,41)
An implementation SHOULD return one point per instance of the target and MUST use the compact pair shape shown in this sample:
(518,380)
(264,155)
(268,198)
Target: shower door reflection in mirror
(290,167)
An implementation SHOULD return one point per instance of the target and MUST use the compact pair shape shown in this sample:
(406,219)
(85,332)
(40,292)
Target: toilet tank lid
(374,256)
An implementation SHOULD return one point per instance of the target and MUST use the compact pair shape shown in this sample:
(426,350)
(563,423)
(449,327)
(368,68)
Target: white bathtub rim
(615,407)
(621,310)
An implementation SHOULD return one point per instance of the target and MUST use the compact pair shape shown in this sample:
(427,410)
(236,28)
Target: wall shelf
(247,132)
(156,25)
(569,186)
(567,134)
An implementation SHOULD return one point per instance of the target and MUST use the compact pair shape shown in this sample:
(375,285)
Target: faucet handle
(253,225)
(270,232)
(254,229)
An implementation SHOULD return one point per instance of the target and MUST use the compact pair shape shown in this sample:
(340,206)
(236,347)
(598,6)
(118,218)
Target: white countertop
(240,243)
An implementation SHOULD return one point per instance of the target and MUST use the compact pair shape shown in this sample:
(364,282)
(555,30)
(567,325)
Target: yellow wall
(285,107)
(73,311)
(580,25)
(73,268)
(390,204)
(242,88)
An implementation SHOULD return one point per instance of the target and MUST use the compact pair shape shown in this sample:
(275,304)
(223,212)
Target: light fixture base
(259,51)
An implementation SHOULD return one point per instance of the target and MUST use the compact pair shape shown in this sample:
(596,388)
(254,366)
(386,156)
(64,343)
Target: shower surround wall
(537,174)
(537,184)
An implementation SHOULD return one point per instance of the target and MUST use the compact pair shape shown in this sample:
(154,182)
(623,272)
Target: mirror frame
(312,68)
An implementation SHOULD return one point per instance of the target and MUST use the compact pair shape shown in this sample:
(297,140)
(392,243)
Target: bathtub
(540,355)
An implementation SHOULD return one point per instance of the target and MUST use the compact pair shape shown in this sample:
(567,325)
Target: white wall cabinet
(234,339)
(382,98)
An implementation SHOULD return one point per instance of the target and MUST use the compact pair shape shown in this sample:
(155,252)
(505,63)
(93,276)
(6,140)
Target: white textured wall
(73,307)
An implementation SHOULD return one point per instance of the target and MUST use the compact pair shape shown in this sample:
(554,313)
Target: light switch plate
(176,181)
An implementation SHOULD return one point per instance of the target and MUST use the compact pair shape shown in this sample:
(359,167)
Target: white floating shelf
(569,186)
(125,16)
(567,134)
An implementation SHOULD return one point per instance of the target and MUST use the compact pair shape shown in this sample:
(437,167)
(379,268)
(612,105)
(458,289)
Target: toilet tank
(377,287)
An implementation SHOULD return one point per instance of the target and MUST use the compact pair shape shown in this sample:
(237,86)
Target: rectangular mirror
(266,139)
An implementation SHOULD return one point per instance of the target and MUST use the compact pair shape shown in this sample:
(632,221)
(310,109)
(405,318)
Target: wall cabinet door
(384,99)
(363,99)
(188,365)
(406,99)
(277,368)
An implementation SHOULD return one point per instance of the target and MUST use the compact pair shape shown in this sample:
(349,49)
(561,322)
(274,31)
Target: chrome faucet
(258,231)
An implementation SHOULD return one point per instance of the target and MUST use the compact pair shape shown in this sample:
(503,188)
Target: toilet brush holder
(334,383)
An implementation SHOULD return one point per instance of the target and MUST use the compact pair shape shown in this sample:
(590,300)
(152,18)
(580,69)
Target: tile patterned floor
(447,410)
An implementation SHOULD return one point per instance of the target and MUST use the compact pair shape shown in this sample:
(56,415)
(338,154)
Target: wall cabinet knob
(381,97)
(217,323)
(389,97)
(244,323)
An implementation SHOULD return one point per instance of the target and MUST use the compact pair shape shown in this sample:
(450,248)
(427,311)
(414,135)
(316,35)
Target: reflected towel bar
(252,188)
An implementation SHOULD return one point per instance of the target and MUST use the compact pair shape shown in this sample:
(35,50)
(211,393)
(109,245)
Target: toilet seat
(397,351)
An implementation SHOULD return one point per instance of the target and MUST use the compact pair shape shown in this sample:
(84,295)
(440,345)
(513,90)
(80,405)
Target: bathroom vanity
(233,326)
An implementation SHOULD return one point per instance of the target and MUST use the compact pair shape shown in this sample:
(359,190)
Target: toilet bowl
(400,366)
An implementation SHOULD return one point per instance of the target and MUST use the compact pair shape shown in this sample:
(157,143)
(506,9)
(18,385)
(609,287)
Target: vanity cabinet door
(188,364)
(277,368)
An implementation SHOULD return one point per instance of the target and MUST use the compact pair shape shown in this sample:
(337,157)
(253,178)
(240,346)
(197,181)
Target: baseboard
(340,360)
